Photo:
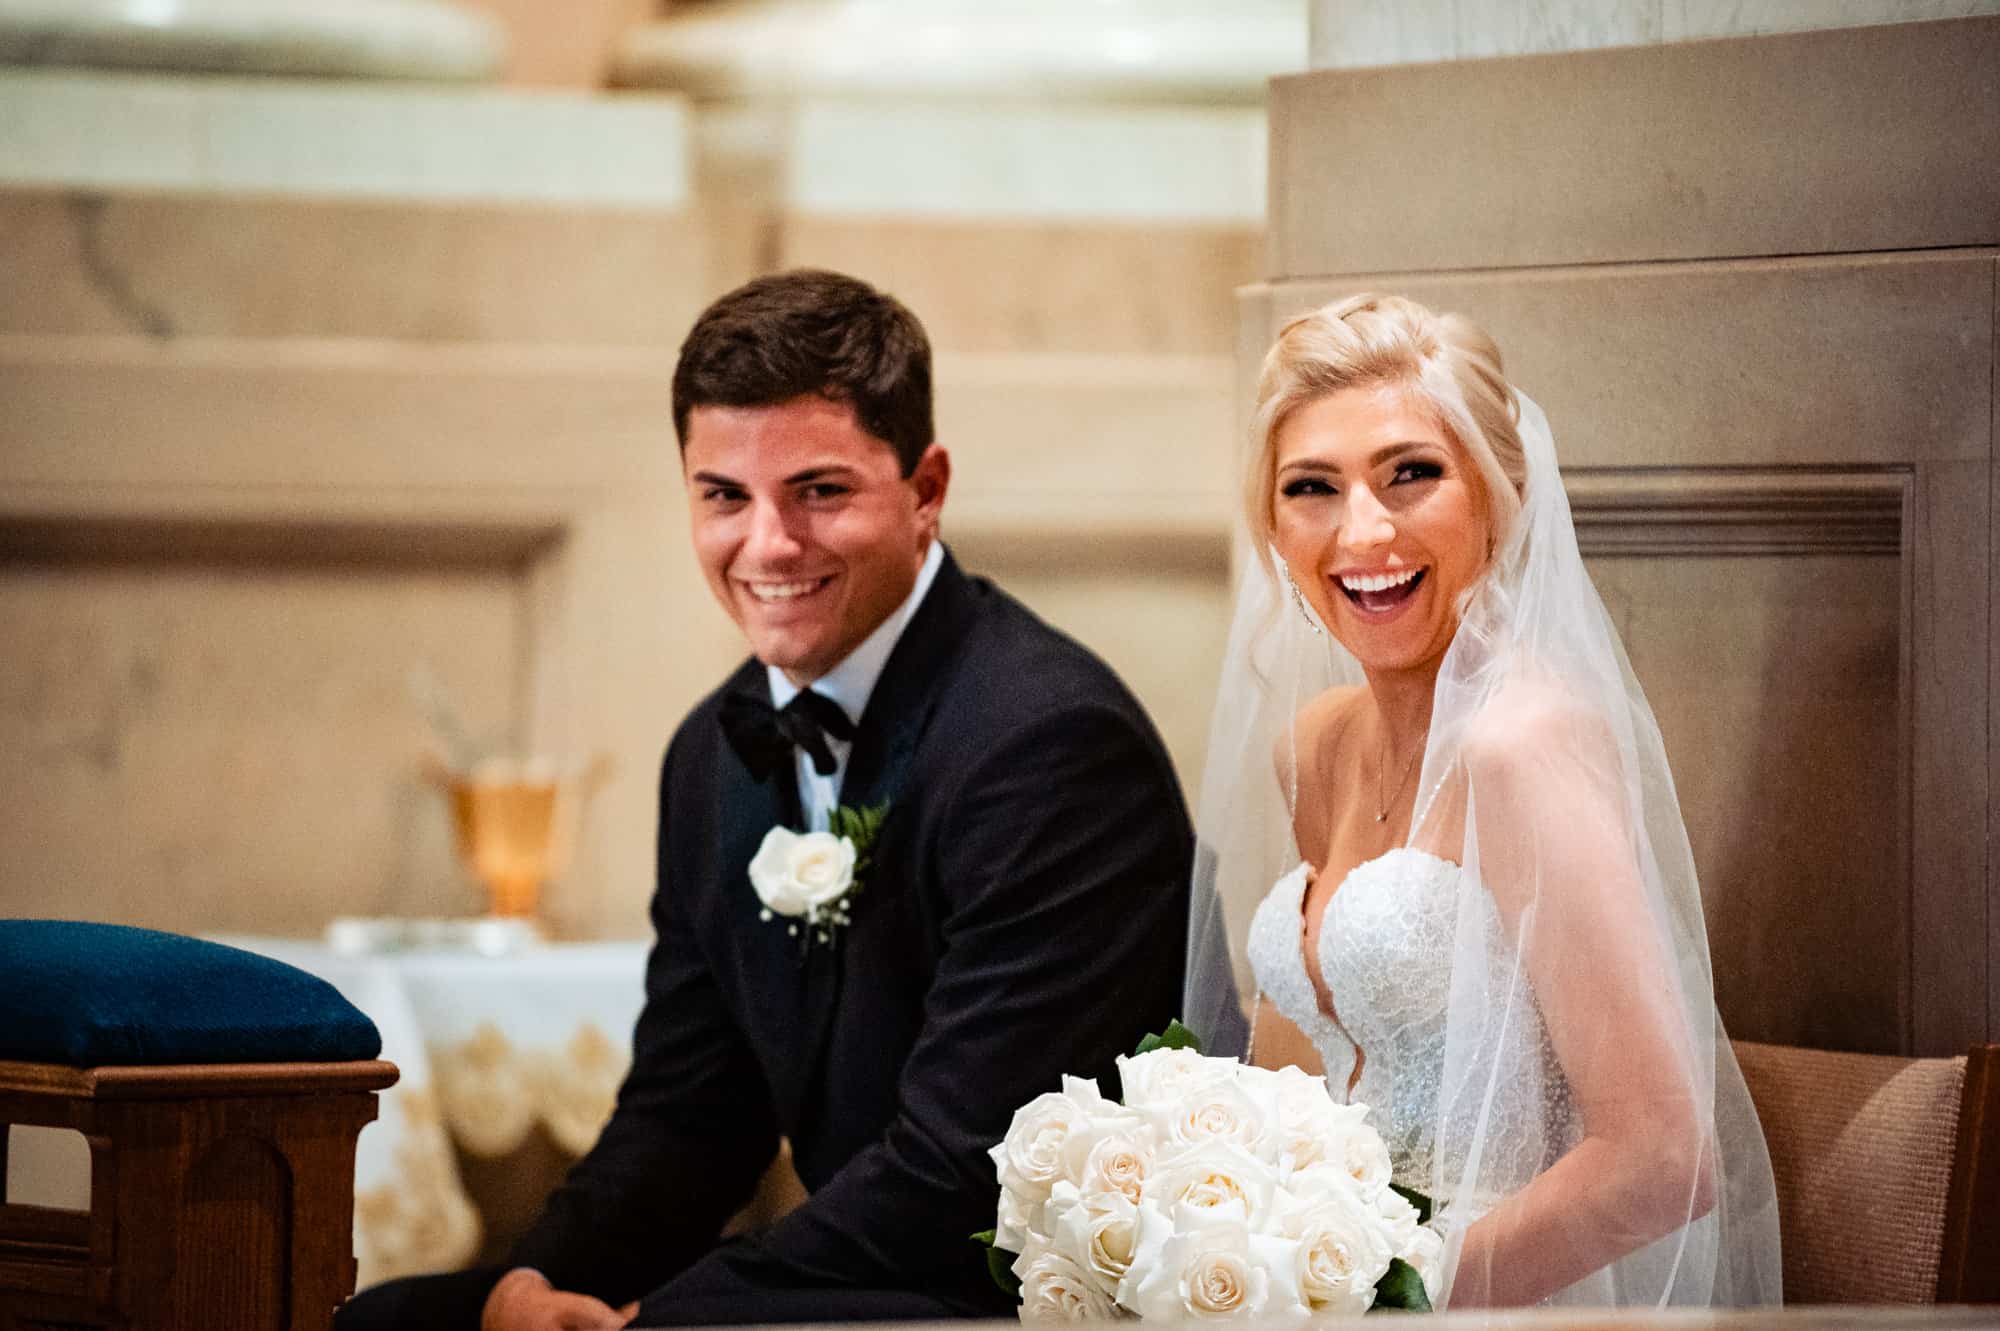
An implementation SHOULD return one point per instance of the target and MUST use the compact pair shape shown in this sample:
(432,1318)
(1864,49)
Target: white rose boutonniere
(812,878)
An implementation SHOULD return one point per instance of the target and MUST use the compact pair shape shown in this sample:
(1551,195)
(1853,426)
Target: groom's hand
(525,1301)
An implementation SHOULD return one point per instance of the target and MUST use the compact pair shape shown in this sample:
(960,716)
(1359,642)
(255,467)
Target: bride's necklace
(1382,801)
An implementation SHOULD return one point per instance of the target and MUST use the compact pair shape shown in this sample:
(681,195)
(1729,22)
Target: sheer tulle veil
(1541,741)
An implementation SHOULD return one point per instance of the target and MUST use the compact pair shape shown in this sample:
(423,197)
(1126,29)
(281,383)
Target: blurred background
(336,460)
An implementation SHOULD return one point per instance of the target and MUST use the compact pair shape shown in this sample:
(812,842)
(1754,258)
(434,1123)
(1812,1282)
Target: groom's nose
(771,537)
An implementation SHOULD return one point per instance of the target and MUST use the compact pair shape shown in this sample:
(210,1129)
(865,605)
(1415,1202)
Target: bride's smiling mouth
(1381,593)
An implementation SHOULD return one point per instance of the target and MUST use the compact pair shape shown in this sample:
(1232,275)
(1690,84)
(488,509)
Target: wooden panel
(1992,884)
(1737,511)
(1950,560)
(234,1238)
(1763,614)
(1824,362)
(1969,1266)
(1774,681)
(1861,139)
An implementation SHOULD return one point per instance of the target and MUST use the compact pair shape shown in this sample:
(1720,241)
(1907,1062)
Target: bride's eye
(1418,471)
(1304,486)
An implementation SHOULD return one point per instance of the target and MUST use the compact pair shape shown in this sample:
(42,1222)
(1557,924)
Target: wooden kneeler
(221,1172)
(221,1196)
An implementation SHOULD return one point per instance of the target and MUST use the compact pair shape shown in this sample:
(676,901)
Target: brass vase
(515,825)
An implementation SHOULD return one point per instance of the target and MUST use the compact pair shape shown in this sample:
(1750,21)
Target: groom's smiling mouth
(1379,593)
(774,592)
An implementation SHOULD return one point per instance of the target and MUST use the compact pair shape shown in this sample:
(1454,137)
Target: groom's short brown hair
(810,331)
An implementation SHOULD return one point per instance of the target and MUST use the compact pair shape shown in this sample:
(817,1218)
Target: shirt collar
(852,681)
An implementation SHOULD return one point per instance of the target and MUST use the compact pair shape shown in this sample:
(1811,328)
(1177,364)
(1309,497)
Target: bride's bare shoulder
(1317,729)
(1533,729)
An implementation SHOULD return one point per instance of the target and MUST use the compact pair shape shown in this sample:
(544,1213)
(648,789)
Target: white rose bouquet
(1214,1190)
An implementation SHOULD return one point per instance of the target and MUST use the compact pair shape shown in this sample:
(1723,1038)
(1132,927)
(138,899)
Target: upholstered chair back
(1885,1169)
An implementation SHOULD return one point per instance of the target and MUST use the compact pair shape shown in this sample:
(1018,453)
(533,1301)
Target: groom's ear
(931,478)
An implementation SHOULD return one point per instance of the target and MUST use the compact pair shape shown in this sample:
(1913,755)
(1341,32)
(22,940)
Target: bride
(1485,923)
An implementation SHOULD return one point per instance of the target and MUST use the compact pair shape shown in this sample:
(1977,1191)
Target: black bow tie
(764,736)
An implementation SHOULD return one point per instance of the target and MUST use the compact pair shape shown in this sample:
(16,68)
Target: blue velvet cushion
(93,995)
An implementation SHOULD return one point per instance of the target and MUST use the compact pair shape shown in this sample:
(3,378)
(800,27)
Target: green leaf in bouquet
(1401,1289)
(1416,1199)
(1000,1263)
(1176,1036)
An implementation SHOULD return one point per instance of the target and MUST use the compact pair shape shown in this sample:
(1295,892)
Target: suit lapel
(885,742)
(770,978)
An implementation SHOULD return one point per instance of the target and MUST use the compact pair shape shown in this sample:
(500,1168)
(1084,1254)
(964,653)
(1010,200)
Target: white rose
(1031,1157)
(1097,1231)
(1310,1124)
(1017,1223)
(1397,1212)
(1365,1157)
(1207,1263)
(1157,1080)
(1055,1289)
(1107,1130)
(1117,1160)
(1340,1137)
(795,873)
(1345,1244)
(1424,1250)
(1211,1175)
(1241,1111)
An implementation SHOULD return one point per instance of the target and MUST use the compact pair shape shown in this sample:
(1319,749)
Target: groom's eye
(821,490)
(722,494)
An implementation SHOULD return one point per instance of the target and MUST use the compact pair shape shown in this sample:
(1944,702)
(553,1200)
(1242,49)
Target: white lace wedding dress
(1385,953)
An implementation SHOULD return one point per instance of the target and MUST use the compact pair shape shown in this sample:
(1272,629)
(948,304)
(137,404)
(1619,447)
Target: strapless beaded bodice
(1385,955)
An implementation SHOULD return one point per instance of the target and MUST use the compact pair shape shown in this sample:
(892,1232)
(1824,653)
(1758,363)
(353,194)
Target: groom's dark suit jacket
(1024,916)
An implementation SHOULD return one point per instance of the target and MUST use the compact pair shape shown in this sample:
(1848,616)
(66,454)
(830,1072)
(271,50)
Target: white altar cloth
(489,1048)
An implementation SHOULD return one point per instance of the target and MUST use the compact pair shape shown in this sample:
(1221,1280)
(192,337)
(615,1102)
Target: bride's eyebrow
(1312,466)
(1392,451)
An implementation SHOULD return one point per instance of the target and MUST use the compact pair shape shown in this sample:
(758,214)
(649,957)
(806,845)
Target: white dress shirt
(849,684)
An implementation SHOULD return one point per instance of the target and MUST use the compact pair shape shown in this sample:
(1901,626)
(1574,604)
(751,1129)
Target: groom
(1021,912)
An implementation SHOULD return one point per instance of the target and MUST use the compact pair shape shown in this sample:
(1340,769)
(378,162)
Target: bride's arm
(1556,851)
(1275,1042)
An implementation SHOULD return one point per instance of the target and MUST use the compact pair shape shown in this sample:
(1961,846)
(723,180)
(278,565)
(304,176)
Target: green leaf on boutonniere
(1416,1199)
(1176,1036)
(999,1262)
(1401,1289)
(861,826)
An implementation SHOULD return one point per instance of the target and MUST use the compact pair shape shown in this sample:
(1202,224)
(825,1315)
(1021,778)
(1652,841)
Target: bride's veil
(1277,660)
(1545,778)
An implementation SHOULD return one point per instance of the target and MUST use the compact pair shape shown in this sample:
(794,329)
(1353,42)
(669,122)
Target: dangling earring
(1299,598)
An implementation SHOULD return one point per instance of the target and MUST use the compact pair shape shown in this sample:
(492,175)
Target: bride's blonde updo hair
(1448,365)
